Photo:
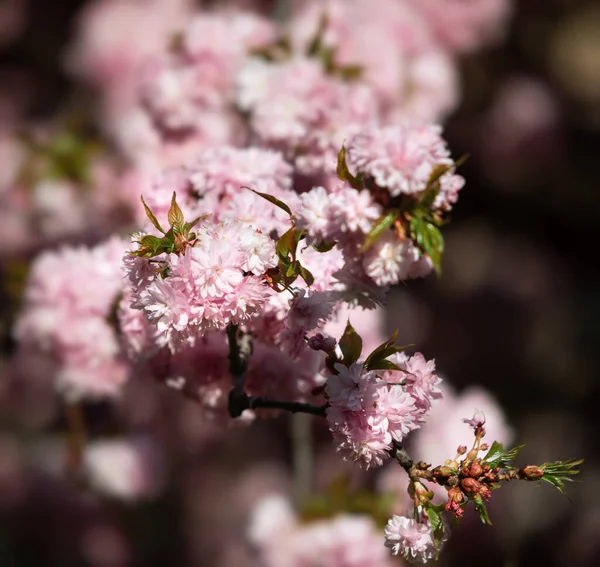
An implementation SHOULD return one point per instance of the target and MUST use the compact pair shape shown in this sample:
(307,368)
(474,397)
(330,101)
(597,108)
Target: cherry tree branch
(240,348)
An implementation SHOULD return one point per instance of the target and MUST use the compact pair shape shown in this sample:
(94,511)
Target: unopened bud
(321,342)
(532,472)
(470,485)
(462,449)
(472,454)
(484,447)
(476,469)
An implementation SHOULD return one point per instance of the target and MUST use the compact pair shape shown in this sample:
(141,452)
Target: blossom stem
(240,348)
(239,403)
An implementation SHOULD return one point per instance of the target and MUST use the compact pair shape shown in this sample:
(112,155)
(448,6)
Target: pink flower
(346,389)
(465,26)
(353,211)
(390,259)
(477,421)
(69,297)
(421,381)
(166,305)
(399,158)
(412,540)
(396,50)
(313,214)
(309,310)
(401,412)
(295,107)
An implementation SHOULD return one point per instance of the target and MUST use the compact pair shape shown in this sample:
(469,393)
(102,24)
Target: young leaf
(284,244)
(429,239)
(350,345)
(559,472)
(480,507)
(497,457)
(343,172)
(434,513)
(307,276)
(272,200)
(383,223)
(377,359)
(175,216)
(383,365)
(151,216)
(494,453)
(189,225)
(324,246)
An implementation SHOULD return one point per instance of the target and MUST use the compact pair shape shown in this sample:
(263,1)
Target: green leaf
(293,269)
(497,457)
(429,239)
(315,45)
(559,472)
(481,508)
(383,223)
(189,225)
(494,453)
(151,216)
(434,513)
(324,246)
(307,276)
(272,200)
(175,216)
(350,345)
(343,172)
(377,359)
(285,244)
(383,365)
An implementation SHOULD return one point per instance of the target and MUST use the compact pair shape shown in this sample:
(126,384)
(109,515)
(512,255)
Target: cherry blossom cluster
(65,326)
(396,183)
(344,540)
(217,281)
(370,410)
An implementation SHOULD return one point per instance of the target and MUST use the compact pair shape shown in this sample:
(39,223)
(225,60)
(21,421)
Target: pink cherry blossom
(412,540)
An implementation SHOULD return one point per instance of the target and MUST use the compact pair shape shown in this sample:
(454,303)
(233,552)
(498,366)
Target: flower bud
(470,486)
(532,472)
(321,342)
(476,469)
(462,449)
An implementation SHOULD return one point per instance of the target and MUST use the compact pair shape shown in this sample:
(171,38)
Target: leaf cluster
(289,268)
(174,240)
(559,472)
(317,48)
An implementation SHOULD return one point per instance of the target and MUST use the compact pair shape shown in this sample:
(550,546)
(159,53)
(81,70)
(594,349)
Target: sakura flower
(346,388)
(390,260)
(477,421)
(166,306)
(412,540)
(354,211)
(401,412)
(313,214)
(466,26)
(69,298)
(399,158)
(420,379)
(308,310)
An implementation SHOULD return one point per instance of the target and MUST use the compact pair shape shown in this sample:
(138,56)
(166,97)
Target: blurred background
(513,323)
